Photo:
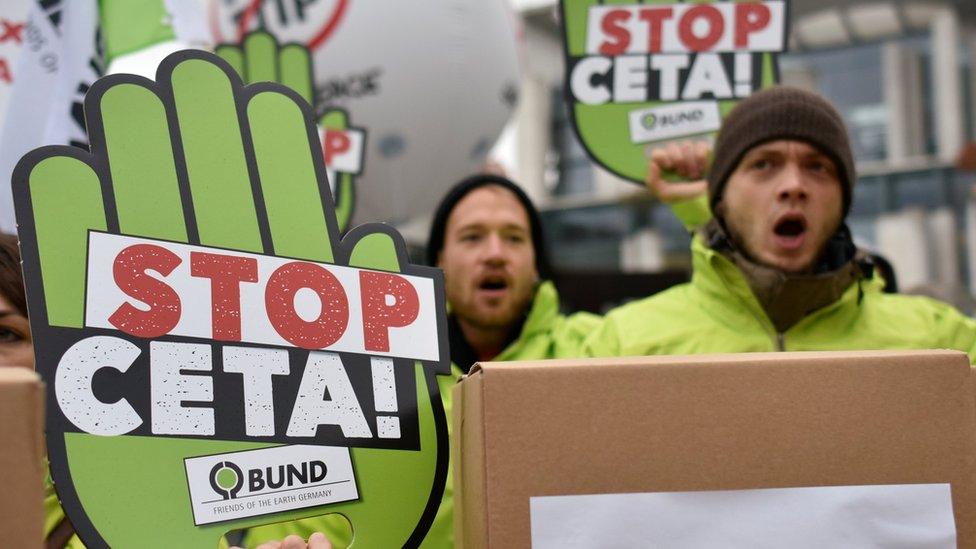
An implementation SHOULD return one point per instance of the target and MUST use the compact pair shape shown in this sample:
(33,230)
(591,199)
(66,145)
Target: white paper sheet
(890,516)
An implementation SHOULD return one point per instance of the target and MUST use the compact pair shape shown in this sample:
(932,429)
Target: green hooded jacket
(545,334)
(717,312)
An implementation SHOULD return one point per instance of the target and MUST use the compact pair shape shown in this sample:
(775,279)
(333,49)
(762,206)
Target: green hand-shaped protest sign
(193,309)
(642,73)
(259,58)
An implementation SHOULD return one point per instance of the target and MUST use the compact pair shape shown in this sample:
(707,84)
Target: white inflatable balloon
(432,82)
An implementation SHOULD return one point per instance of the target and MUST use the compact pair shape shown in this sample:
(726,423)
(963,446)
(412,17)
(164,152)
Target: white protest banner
(60,59)
(13,21)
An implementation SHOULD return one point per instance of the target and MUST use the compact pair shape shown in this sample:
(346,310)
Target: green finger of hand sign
(218,359)
(259,58)
(347,159)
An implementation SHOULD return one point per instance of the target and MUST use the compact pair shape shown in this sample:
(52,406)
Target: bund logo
(649,121)
(260,482)
(226,479)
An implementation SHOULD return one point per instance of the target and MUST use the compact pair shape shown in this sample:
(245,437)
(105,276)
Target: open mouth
(790,231)
(790,227)
(493,283)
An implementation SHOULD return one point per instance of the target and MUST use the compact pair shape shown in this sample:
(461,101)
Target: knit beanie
(781,112)
(435,242)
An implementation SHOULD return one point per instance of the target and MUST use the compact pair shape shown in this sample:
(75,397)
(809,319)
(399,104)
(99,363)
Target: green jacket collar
(788,298)
(543,313)
(715,278)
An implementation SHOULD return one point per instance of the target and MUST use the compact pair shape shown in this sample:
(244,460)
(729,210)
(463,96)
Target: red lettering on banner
(226,272)
(378,317)
(654,17)
(716,26)
(279,299)
(612,25)
(130,275)
(749,17)
(336,142)
(11,31)
(5,75)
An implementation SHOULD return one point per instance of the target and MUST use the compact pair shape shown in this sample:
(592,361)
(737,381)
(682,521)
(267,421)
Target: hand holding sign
(315,541)
(187,284)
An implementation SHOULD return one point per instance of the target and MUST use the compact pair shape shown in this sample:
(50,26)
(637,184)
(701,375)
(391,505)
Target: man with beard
(776,269)
(487,238)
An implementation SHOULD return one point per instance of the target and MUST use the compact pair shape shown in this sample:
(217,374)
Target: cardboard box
(718,422)
(22,459)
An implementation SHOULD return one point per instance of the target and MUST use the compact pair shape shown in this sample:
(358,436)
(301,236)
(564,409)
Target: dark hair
(11,278)
(435,243)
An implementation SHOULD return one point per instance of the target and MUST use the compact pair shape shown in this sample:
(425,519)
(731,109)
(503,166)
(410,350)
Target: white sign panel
(343,149)
(686,28)
(271,480)
(905,515)
(671,121)
(149,288)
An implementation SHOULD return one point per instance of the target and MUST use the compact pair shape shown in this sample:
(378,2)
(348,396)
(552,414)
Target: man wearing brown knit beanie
(775,269)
